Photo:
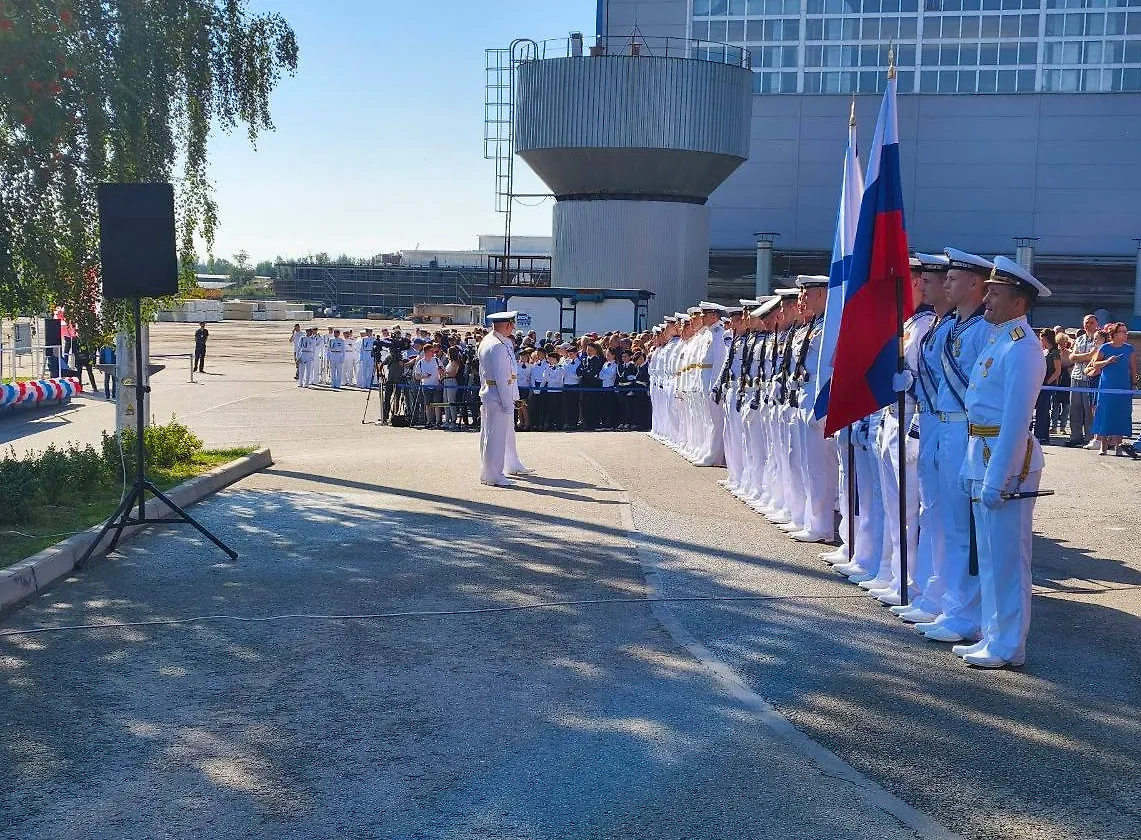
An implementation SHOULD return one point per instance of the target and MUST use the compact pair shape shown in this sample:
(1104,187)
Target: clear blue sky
(379,140)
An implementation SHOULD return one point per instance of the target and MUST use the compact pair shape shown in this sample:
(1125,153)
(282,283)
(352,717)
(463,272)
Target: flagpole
(901,445)
(901,408)
(853,503)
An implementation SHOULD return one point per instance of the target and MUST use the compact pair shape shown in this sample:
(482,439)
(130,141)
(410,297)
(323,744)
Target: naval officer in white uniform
(498,393)
(1004,460)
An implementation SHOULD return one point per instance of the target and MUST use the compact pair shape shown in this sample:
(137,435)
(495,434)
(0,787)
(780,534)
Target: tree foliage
(98,91)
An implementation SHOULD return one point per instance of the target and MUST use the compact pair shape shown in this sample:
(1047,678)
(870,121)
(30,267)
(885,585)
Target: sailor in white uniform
(1004,464)
(818,465)
(366,367)
(914,330)
(928,563)
(335,353)
(965,340)
(498,393)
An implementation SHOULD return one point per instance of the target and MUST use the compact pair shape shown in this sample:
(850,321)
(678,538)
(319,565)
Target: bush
(48,477)
(19,487)
(166,446)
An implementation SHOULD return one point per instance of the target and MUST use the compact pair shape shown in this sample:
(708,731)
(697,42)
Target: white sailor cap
(766,307)
(811,281)
(670,319)
(750,303)
(786,293)
(706,306)
(693,310)
(733,310)
(682,316)
(1009,273)
(500,317)
(655,330)
(931,262)
(963,261)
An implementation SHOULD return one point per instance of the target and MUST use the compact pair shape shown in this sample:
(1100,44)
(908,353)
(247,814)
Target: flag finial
(891,61)
(852,113)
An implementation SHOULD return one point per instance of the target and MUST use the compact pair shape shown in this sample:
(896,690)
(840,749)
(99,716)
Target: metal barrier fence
(27,361)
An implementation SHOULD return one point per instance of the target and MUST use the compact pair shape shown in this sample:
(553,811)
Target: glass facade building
(941,46)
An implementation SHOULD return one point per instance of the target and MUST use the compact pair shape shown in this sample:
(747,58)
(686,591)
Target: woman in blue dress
(1116,366)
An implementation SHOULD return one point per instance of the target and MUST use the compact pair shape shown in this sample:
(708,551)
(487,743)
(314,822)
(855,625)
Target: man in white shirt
(428,374)
(366,367)
(498,392)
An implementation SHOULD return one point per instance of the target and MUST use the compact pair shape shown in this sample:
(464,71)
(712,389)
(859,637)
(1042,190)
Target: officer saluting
(1003,462)
(498,393)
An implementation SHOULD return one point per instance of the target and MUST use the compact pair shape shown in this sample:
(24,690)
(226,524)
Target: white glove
(901,382)
(911,450)
(992,497)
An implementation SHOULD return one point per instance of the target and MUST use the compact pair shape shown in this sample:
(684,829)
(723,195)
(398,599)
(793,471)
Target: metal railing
(574,46)
(26,361)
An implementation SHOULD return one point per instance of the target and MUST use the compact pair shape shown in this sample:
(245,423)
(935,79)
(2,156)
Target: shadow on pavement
(579,720)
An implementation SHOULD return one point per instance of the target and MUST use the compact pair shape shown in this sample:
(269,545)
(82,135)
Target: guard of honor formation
(334,359)
(741,393)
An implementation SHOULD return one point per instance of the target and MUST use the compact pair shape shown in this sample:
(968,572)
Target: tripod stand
(122,518)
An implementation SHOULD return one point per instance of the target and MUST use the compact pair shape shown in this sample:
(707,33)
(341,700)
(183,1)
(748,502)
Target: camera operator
(388,353)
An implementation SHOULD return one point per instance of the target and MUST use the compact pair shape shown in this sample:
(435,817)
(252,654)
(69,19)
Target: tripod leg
(233,555)
(115,521)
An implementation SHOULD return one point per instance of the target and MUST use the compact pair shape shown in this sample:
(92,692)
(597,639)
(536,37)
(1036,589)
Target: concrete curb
(22,580)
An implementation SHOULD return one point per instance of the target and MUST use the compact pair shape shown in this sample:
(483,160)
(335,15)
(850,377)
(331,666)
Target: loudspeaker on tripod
(136,240)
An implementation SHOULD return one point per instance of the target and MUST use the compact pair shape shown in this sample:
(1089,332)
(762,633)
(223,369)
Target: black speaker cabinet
(136,240)
(52,334)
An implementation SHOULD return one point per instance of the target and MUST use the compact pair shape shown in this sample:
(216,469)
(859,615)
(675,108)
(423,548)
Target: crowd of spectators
(594,383)
(1095,361)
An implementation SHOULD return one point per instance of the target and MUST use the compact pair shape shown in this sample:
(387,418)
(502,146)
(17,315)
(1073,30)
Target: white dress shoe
(915,616)
(778,518)
(521,471)
(861,578)
(964,649)
(983,659)
(497,482)
(807,536)
(889,598)
(942,634)
(834,557)
(874,583)
(790,527)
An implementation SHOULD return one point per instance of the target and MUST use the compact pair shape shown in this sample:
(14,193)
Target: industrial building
(1020,124)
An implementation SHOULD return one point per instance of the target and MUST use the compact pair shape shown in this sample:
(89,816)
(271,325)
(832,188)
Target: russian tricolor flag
(844,245)
(867,346)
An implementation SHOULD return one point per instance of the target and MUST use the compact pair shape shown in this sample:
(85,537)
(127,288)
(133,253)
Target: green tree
(242,272)
(98,91)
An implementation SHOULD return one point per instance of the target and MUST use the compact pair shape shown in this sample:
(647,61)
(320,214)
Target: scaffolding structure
(378,288)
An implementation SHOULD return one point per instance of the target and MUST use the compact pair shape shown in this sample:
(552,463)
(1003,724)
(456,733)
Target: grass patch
(52,494)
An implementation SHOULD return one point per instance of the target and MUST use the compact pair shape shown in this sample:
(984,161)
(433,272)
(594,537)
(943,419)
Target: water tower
(631,137)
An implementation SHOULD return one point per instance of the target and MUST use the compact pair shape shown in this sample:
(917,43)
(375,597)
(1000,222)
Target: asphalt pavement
(447,660)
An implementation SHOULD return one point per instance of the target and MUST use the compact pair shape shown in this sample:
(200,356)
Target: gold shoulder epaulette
(1017,334)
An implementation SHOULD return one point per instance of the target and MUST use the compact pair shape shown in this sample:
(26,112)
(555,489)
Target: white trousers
(1005,541)
(961,593)
(929,558)
(336,369)
(496,443)
(869,526)
(889,458)
(366,372)
(819,469)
